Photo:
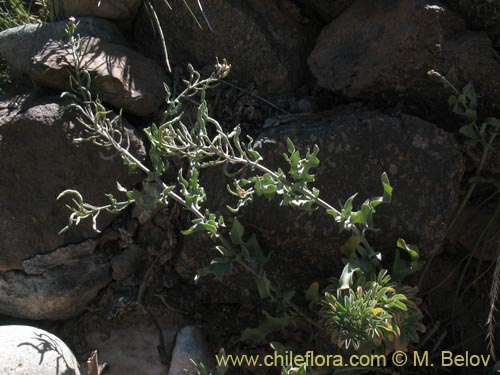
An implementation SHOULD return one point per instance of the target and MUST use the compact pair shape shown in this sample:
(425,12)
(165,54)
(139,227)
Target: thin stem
(472,187)
(467,196)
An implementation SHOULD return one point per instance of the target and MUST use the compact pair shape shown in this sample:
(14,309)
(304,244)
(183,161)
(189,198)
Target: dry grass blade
(204,16)
(495,288)
(93,366)
(480,242)
(167,4)
(152,13)
(192,14)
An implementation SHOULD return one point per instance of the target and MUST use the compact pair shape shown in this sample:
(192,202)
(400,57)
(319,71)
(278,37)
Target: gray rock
(327,10)
(424,165)
(39,161)
(111,9)
(63,256)
(120,76)
(131,348)
(33,37)
(266,42)
(125,263)
(382,50)
(190,344)
(29,350)
(481,15)
(60,292)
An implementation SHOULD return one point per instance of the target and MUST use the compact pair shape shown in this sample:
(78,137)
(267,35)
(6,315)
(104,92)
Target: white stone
(28,350)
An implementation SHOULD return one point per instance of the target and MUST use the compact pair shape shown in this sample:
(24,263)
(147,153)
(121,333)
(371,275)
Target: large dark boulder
(477,230)
(266,42)
(381,51)
(58,285)
(480,15)
(43,274)
(424,165)
(39,161)
(327,10)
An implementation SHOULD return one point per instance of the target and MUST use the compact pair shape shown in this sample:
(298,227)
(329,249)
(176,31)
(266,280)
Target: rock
(63,256)
(327,10)
(133,350)
(60,292)
(111,9)
(469,228)
(360,56)
(424,165)
(125,263)
(266,42)
(120,76)
(56,285)
(39,161)
(190,344)
(29,350)
(481,15)
(33,37)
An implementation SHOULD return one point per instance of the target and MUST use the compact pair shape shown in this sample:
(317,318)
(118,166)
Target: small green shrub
(371,314)
(361,310)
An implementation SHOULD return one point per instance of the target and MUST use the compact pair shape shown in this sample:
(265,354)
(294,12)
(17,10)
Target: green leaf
(290,146)
(132,167)
(223,251)
(470,94)
(349,248)
(387,188)
(402,268)
(312,293)
(332,213)
(120,187)
(236,232)
(278,347)
(269,325)
(470,115)
(363,216)
(263,286)
(492,121)
(255,251)
(285,296)
(221,369)
(217,267)
(347,209)
(412,250)
(144,200)
(469,131)
(452,101)
(346,278)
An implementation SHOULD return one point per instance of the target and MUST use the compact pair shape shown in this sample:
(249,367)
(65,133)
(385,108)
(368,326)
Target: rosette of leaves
(371,314)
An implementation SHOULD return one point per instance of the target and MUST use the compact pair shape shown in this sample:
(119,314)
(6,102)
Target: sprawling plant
(205,144)
(480,140)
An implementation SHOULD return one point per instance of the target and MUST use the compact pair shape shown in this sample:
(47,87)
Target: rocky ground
(348,75)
